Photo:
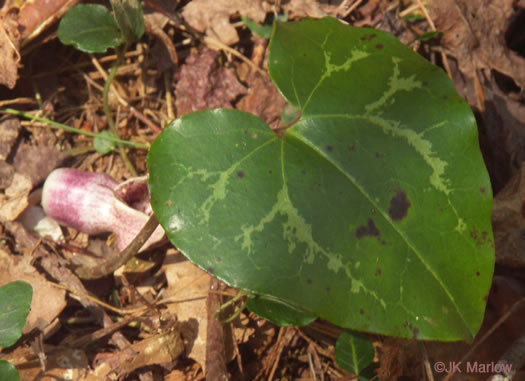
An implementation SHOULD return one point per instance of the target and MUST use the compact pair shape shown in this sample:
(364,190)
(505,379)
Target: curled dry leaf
(213,16)
(37,162)
(189,285)
(61,363)
(160,349)
(508,222)
(15,199)
(35,16)
(9,45)
(9,131)
(47,302)
(304,8)
(474,32)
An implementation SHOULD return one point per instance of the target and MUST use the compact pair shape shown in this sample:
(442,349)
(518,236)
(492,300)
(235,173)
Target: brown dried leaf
(263,99)
(203,84)
(6,174)
(157,349)
(47,302)
(35,16)
(37,162)
(303,8)
(9,46)
(15,199)
(213,16)
(189,285)
(474,32)
(9,130)
(508,222)
(61,364)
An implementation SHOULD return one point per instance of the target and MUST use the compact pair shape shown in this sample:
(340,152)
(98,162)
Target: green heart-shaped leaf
(15,303)
(8,372)
(90,28)
(353,352)
(372,212)
(279,313)
(129,17)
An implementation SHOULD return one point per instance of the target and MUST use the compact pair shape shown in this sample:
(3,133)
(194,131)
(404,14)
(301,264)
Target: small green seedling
(15,304)
(264,30)
(372,211)
(92,28)
(355,354)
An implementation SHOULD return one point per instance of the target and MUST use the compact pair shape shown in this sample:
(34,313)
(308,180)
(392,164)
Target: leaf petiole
(65,127)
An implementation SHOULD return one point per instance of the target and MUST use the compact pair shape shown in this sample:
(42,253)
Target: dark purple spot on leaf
(361,311)
(327,290)
(329,148)
(218,259)
(368,37)
(399,205)
(270,172)
(303,172)
(445,97)
(240,174)
(425,83)
(477,273)
(378,155)
(482,190)
(169,203)
(378,272)
(309,281)
(379,46)
(369,230)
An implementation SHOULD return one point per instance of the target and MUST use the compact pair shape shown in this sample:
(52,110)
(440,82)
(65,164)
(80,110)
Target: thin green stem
(107,87)
(65,127)
(120,59)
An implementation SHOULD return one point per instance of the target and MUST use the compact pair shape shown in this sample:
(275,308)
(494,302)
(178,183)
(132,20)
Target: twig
(500,321)
(110,266)
(433,27)
(210,41)
(285,336)
(350,9)
(9,102)
(215,349)
(426,362)
(169,97)
(512,360)
(137,114)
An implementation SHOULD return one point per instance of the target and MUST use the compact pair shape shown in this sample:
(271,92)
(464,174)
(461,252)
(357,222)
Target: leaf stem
(107,111)
(65,127)
(109,266)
